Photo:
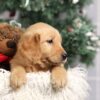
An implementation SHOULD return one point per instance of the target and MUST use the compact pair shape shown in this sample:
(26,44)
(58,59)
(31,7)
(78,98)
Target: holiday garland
(79,38)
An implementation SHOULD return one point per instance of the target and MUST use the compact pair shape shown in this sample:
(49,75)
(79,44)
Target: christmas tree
(79,38)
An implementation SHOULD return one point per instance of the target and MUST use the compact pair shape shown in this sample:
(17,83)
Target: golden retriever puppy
(39,49)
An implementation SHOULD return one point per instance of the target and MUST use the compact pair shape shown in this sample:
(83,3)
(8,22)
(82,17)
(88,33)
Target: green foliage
(76,43)
(62,14)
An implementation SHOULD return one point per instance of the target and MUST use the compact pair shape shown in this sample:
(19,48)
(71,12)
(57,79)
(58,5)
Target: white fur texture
(38,87)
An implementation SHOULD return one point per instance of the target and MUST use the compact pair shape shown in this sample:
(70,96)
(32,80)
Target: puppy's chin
(55,63)
(64,61)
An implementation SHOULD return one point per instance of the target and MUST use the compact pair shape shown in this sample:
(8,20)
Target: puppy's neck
(36,67)
(40,66)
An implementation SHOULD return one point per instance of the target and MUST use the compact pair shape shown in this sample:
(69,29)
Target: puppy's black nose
(64,56)
(11,44)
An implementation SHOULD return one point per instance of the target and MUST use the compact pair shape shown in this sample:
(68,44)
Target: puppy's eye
(49,41)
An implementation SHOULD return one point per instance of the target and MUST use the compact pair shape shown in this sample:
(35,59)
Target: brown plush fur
(8,33)
(39,49)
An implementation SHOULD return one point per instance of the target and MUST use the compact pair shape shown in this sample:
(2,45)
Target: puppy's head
(41,43)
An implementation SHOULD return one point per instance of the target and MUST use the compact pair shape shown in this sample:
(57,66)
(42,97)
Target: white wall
(93,12)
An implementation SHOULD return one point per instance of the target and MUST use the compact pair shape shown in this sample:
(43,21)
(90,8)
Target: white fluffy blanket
(38,87)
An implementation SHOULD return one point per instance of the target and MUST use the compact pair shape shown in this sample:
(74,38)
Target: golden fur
(39,49)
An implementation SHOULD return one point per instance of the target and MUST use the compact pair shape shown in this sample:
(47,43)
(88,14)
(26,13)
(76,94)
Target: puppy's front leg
(18,77)
(58,77)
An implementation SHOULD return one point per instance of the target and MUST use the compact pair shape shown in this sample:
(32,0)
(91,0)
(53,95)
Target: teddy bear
(9,36)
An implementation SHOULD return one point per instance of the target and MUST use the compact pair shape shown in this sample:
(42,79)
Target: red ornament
(70,29)
(12,14)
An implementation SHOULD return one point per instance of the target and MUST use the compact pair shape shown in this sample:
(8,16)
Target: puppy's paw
(17,80)
(58,81)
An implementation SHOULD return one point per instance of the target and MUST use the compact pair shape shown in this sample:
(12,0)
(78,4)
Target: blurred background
(78,22)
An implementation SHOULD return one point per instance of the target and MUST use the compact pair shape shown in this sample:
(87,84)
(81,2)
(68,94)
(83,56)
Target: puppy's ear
(36,38)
